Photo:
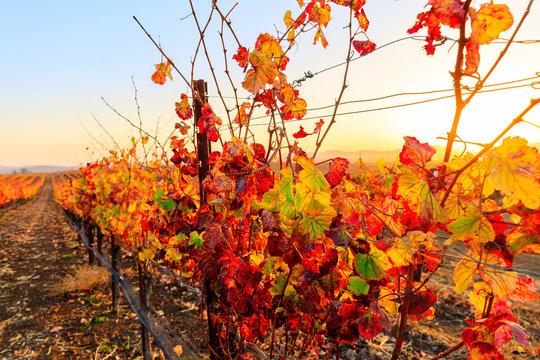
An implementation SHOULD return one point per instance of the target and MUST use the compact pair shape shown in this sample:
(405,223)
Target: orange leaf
(162,71)
(489,22)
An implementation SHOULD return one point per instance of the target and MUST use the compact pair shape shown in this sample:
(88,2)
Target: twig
(162,52)
(343,87)
(514,122)
(501,55)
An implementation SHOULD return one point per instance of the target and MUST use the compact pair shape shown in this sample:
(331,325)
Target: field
(39,249)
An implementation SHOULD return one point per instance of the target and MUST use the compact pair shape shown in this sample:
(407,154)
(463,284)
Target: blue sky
(60,57)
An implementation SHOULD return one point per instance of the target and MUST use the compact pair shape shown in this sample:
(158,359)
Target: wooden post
(99,237)
(114,283)
(203,152)
(90,236)
(145,285)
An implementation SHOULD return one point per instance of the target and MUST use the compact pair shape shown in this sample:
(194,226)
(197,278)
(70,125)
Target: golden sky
(58,62)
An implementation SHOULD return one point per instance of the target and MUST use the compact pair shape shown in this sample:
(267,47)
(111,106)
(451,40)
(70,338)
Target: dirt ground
(38,249)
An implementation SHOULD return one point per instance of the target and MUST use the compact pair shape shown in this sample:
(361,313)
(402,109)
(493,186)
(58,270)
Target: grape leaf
(486,25)
(369,266)
(162,71)
(300,133)
(515,170)
(415,154)
(369,325)
(264,72)
(241,56)
(473,226)
(489,21)
(183,110)
(421,301)
(363,47)
(315,223)
(357,285)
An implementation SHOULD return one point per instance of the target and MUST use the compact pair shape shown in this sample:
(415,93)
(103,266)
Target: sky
(59,58)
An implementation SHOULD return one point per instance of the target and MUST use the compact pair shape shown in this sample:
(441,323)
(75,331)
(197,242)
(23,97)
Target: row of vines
(294,256)
(19,187)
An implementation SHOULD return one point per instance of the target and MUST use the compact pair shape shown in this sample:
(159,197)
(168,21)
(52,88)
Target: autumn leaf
(489,21)
(294,110)
(515,170)
(269,46)
(310,176)
(442,12)
(474,226)
(363,47)
(300,133)
(486,25)
(369,325)
(421,301)
(241,117)
(315,223)
(183,110)
(415,154)
(363,21)
(369,266)
(241,56)
(178,349)
(502,282)
(463,275)
(357,285)
(525,291)
(162,71)
(264,72)
(415,190)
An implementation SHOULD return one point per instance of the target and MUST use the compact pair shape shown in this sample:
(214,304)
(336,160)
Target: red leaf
(337,171)
(525,291)
(183,110)
(442,12)
(242,56)
(208,122)
(300,133)
(421,301)
(369,325)
(364,47)
(416,153)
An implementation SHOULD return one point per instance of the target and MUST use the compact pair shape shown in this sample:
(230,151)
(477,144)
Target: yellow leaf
(147,254)
(489,22)
(463,275)
(478,297)
(473,226)
(515,170)
(502,282)
(178,349)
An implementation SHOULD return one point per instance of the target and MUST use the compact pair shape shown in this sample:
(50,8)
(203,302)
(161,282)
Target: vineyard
(221,244)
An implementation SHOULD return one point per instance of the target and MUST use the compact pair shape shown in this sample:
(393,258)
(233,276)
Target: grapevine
(300,260)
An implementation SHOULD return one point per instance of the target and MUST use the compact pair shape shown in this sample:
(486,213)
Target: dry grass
(85,278)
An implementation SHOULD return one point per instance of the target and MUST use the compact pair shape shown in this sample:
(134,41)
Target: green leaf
(315,224)
(369,266)
(168,205)
(159,195)
(474,226)
(272,200)
(430,210)
(195,239)
(311,177)
(358,286)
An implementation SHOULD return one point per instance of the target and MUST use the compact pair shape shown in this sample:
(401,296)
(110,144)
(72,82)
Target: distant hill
(368,156)
(36,169)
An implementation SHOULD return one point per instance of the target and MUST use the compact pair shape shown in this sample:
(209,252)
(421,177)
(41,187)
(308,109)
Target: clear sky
(60,57)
